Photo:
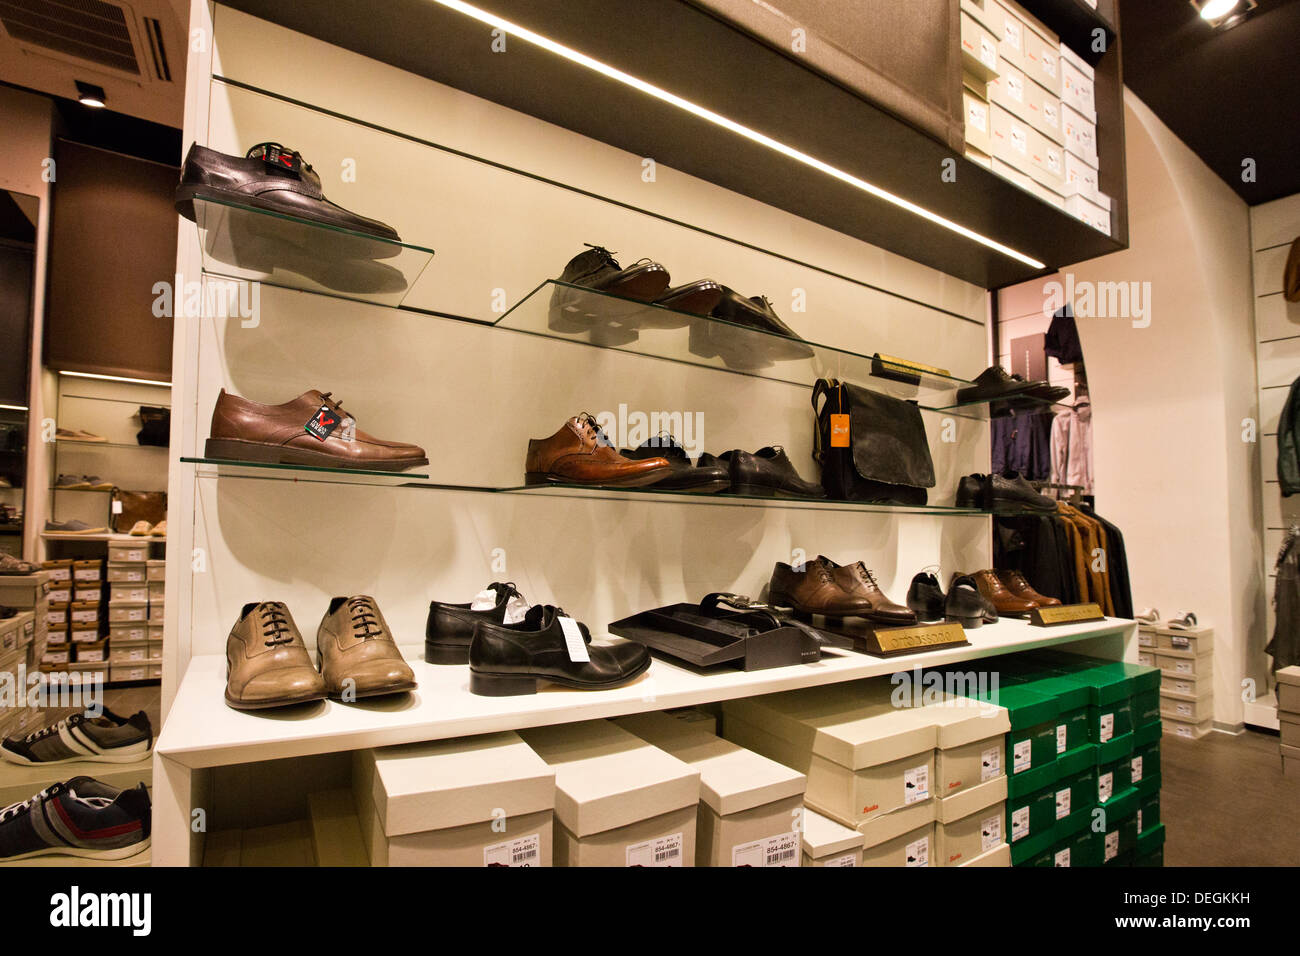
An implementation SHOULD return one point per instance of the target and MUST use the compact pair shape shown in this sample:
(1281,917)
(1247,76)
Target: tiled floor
(1224,802)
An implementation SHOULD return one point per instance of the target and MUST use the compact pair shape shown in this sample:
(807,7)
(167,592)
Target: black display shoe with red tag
(277,180)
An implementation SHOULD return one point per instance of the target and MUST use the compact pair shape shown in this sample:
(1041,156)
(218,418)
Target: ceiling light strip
(717,119)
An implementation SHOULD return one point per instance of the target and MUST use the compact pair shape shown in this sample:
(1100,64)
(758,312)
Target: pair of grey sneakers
(106,738)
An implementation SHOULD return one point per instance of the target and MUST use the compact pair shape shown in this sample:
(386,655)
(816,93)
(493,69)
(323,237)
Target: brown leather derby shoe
(580,454)
(1015,583)
(267,664)
(358,656)
(247,431)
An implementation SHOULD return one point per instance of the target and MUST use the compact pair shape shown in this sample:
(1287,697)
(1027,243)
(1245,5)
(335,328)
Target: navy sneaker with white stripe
(82,818)
(107,738)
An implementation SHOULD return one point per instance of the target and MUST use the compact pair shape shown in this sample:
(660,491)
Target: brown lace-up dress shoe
(1015,582)
(312,429)
(996,593)
(267,664)
(815,590)
(857,579)
(580,454)
(358,656)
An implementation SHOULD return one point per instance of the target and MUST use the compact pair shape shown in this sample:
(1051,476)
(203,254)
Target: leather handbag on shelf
(150,506)
(871,447)
(155,426)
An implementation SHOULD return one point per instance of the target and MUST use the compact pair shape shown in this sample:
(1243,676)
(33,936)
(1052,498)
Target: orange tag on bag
(839,431)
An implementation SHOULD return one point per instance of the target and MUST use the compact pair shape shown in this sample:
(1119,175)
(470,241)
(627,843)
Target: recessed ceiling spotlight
(88,94)
(1224,13)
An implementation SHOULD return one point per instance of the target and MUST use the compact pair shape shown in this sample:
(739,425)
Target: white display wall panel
(1274,227)
(506,200)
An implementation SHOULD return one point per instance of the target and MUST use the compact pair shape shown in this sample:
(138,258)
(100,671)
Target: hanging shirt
(1071,447)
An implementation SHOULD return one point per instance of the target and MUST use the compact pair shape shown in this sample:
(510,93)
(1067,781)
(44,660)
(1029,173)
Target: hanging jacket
(1288,443)
(1285,645)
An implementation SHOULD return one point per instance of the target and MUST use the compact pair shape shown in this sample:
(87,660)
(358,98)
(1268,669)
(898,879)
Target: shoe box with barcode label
(479,801)
(619,800)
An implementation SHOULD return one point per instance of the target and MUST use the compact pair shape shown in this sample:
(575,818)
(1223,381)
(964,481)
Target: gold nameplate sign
(915,639)
(1069,614)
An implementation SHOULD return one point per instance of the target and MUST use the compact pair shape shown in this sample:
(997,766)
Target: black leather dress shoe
(695,298)
(926,598)
(1013,493)
(506,660)
(992,384)
(276,179)
(972,491)
(966,605)
(615,323)
(739,349)
(769,473)
(686,474)
(450,627)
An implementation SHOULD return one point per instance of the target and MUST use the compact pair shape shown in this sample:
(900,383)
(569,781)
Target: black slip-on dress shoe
(973,491)
(277,180)
(966,605)
(506,660)
(450,627)
(694,298)
(686,475)
(926,598)
(768,473)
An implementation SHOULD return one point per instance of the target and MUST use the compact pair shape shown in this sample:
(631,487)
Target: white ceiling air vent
(106,36)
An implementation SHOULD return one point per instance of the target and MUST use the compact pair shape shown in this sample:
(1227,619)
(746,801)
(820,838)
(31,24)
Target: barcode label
(1105,787)
(1063,803)
(1063,857)
(991,763)
(663,851)
(916,785)
(991,832)
(781,850)
(522,851)
(847,860)
(918,853)
(1136,765)
(1107,727)
(1021,756)
(1062,737)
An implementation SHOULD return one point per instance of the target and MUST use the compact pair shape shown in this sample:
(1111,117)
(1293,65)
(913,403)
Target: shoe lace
(275,625)
(866,576)
(334,403)
(591,429)
(606,256)
(365,618)
(22,806)
(53,729)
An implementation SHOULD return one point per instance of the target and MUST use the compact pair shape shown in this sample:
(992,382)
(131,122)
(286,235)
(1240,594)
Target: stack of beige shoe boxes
(1186,662)
(476,801)
(619,801)
(87,648)
(22,644)
(58,615)
(128,612)
(1083,196)
(874,767)
(1025,139)
(970,782)
(827,843)
(1288,718)
(750,810)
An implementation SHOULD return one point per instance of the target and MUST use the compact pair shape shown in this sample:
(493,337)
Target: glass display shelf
(92,445)
(241,242)
(260,469)
(573,313)
(733,500)
(222,468)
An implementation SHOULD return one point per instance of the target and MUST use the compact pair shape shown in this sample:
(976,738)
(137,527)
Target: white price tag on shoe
(573,641)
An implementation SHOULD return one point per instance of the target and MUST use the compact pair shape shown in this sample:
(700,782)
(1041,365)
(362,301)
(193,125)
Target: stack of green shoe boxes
(1101,791)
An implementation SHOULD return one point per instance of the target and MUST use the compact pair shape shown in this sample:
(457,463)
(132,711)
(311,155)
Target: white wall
(1169,399)
(473,395)
(28,123)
